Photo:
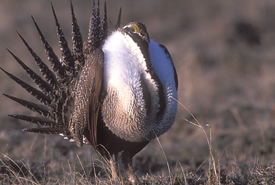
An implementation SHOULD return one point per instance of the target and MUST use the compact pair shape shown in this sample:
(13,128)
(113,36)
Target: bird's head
(137,30)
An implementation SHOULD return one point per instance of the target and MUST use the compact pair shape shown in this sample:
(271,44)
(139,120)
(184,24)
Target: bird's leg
(114,167)
(126,166)
(131,175)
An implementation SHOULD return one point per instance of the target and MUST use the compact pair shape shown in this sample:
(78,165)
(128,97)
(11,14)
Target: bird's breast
(131,103)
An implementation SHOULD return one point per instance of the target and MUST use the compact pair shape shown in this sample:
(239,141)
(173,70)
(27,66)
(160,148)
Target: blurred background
(224,54)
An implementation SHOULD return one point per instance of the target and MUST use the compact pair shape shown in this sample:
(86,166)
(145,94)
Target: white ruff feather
(124,64)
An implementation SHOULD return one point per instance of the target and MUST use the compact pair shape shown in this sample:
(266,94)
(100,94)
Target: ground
(224,132)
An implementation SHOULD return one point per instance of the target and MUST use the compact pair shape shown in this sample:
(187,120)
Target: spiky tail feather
(58,84)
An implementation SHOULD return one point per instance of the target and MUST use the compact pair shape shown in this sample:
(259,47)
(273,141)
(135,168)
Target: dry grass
(226,76)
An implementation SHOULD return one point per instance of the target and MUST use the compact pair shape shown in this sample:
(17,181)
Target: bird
(116,92)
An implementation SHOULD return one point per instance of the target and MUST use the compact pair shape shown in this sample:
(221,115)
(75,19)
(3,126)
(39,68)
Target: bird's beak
(146,37)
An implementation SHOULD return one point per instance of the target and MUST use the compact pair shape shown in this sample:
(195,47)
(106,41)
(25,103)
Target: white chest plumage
(125,77)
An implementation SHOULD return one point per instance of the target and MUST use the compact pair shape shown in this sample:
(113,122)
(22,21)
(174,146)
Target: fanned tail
(46,72)
(40,109)
(46,130)
(42,121)
(77,40)
(119,18)
(104,26)
(42,84)
(64,86)
(57,66)
(94,28)
(34,92)
(67,58)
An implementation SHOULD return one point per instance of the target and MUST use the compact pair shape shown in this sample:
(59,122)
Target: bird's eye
(136,28)
(132,30)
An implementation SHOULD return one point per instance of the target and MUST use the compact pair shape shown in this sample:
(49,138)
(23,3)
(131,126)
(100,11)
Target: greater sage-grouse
(115,92)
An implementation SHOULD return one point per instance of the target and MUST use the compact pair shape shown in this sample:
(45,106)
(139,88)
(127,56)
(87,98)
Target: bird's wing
(87,94)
